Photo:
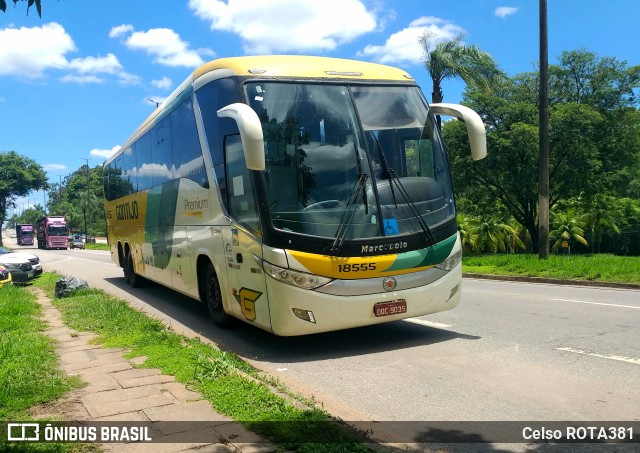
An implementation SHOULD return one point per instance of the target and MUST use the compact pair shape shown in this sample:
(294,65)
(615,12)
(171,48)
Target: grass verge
(597,268)
(96,246)
(233,387)
(29,373)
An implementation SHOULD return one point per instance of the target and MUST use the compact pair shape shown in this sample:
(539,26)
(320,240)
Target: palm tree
(566,228)
(466,235)
(511,236)
(599,218)
(456,60)
(488,236)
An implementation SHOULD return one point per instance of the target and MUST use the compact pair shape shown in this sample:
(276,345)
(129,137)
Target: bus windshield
(326,176)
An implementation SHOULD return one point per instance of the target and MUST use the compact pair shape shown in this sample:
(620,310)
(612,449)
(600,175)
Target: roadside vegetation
(233,387)
(29,373)
(596,268)
(96,246)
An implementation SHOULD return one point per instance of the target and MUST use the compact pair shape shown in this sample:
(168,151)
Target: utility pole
(86,201)
(543,156)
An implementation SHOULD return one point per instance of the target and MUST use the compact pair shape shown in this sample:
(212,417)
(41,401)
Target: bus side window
(241,203)
(187,155)
(211,98)
(161,171)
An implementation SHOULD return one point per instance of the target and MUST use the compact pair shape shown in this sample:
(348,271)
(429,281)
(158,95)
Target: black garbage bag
(66,286)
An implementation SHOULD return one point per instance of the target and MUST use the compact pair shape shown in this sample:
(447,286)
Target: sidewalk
(118,392)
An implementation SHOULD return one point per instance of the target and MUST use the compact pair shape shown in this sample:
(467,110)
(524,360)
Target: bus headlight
(451,262)
(294,278)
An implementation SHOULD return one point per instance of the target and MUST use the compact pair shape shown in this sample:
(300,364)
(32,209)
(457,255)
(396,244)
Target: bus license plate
(393,307)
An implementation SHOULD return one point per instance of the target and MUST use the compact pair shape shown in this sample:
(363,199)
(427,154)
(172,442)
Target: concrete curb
(552,281)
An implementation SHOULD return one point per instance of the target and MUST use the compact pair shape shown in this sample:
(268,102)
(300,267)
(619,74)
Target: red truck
(24,234)
(52,232)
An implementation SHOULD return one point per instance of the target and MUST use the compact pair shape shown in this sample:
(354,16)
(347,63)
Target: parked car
(5,276)
(20,269)
(34,260)
(76,243)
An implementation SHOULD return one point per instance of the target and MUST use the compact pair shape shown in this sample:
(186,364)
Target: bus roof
(303,66)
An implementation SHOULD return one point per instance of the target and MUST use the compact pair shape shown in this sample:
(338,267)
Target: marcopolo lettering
(390,247)
(127,211)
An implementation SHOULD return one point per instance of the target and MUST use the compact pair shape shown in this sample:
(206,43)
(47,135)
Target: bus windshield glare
(357,161)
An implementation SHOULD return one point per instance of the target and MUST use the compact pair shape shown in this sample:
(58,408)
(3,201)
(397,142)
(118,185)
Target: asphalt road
(509,351)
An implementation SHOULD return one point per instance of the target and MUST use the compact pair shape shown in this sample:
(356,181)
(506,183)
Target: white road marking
(422,322)
(610,357)
(67,258)
(597,303)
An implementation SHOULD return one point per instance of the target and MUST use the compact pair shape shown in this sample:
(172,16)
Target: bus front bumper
(330,312)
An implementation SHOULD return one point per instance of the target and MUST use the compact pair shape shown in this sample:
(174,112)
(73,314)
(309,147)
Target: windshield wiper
(349,211)
(391,174)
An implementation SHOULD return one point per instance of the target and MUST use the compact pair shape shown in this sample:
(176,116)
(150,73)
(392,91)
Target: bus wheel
(213,298)
(129,274)
(125,269)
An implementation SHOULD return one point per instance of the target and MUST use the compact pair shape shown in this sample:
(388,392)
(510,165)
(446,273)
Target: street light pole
(86,201)
(543,156)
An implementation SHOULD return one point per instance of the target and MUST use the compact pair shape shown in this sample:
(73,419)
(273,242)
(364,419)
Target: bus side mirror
(250,133)
(475,126)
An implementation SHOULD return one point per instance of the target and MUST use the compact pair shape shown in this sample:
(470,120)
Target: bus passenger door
(247,287)
(242,242)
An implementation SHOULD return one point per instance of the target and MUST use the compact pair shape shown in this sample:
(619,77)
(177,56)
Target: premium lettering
(196,204)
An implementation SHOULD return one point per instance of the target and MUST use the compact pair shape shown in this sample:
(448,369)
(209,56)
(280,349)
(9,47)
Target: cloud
(46,47)
(164,83)
(288,25)
(120,30)
(82,79)
(34,50)
(164,44)
(108,65)
(104,153)
(124,78)
(54,167)
(504,11)
(403,47)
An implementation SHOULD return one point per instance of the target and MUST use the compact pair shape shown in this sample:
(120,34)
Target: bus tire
(213,297)
(130,275)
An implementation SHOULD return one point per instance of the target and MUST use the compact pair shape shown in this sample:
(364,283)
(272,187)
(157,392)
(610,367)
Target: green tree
(598,219)
(19,175)
(566,227)
(31,215)
(491,235)
(80,196)
(592,150)
(456,60)
(30,3)
(466,234)
(605,83)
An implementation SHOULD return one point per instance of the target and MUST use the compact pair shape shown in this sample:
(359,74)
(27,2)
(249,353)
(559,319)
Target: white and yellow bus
(299,194)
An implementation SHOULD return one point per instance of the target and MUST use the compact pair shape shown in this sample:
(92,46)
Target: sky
(75,83)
